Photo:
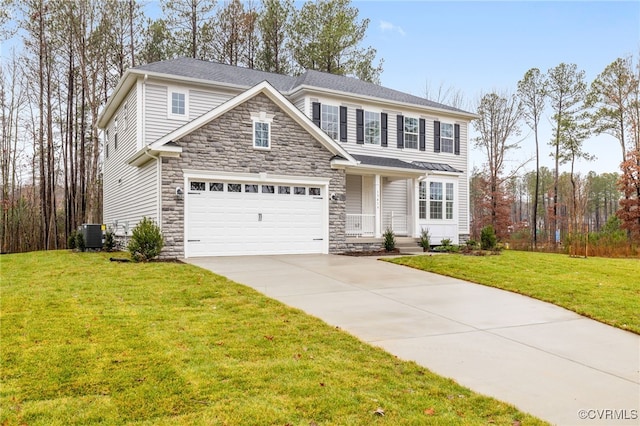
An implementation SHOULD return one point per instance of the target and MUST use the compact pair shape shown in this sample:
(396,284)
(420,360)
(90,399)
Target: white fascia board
(313,89)
(254,177)
(146,154)
(121,91)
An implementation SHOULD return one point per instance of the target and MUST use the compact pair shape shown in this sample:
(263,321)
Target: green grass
(87,341)
(607,290)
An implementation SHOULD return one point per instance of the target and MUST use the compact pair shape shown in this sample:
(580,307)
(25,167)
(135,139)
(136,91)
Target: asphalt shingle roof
(245,77)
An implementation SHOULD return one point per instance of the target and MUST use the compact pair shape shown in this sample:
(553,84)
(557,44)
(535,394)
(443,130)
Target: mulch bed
(382,252)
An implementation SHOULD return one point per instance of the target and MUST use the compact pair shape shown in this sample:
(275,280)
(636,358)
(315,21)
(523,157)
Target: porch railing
(361,225)
(398,222)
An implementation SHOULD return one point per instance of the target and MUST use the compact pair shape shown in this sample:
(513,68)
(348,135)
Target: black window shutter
(383,125)
(456,139)
(359,126)
(436,136)
(423,144)
(315,113)
(400,131)
(343,124)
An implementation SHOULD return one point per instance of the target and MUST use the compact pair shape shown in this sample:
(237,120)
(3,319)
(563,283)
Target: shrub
(488,238)
(71,241)
(425,242)
(389,240)
(80,241)
(146,241)
(109,241)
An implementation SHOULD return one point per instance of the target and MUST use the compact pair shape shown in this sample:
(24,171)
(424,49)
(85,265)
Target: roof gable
(275,96)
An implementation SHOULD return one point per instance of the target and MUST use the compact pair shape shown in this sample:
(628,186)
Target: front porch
(376,203)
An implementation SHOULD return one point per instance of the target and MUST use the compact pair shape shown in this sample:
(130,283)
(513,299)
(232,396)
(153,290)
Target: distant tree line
(545,203)
(73,55)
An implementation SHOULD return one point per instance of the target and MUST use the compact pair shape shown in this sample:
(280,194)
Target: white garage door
(226,218)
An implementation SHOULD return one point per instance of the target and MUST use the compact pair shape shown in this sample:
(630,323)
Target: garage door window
(251,188)
(198,186)
(234,187)
(314,191)
(284,190)
(299,190)
(216,186)
(267,189)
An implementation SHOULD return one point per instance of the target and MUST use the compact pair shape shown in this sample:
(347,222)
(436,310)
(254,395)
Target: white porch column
(415,212)
(378,190)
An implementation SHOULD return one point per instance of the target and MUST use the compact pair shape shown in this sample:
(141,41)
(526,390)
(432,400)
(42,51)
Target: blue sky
(479,46)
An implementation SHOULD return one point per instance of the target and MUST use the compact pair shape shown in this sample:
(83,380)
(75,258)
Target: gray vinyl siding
(459,162)
(158,122)
(394,201)
(129,193)
(354,194)
(201,102)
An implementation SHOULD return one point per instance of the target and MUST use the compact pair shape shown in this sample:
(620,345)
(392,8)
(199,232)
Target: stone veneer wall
(226,144)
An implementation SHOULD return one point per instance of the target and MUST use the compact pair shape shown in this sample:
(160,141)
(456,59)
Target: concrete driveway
(543,359)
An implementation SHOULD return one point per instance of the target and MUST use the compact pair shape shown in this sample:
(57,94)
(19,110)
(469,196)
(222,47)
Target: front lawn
(607,290)
(87,341)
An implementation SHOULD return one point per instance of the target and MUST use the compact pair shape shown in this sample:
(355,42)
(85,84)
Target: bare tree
(187,18)
(447,95)
(566,91)
(498,124)
(532,93)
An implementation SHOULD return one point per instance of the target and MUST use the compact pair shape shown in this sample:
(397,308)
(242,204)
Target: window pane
(299,190)
(267,189)
(372,127)
(284,190)
(446,130)
(314,191)
(435,197)
(411,132)
(234,187)
(261,131)
(178,103)
(446,145)
(198,186)
(329,120)
(449,210)
(422,196)
(216,186)
(250,188)
(449,192)
(435,190)
(423,209)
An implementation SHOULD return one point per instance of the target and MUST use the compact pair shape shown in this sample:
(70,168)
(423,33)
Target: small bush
(425,242)
(71,241)
(488,238)
(109,241)
(146,241)
(389,240)
(80,241)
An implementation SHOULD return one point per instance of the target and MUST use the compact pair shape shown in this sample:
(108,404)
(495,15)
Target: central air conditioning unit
(93,235)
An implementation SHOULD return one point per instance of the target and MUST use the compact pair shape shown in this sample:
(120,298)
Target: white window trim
(417,133)
(453,138)
(170,92)
(261,117)
(125,115)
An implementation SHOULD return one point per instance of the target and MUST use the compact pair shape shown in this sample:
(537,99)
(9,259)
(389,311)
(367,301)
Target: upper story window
(115,132)
(106,143)
(330,120)
(372,127)
(178,103)
(261,130)
(125,115)
(411,132)
(446,137)
(261,135)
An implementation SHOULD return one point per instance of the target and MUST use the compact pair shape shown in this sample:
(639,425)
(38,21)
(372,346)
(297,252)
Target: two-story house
(233,161)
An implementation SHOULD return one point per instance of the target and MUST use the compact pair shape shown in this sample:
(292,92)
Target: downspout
(158,177)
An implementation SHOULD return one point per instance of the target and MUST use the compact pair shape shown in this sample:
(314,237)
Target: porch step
(408,245)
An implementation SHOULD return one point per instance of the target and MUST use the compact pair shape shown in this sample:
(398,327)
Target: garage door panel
(238,223)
